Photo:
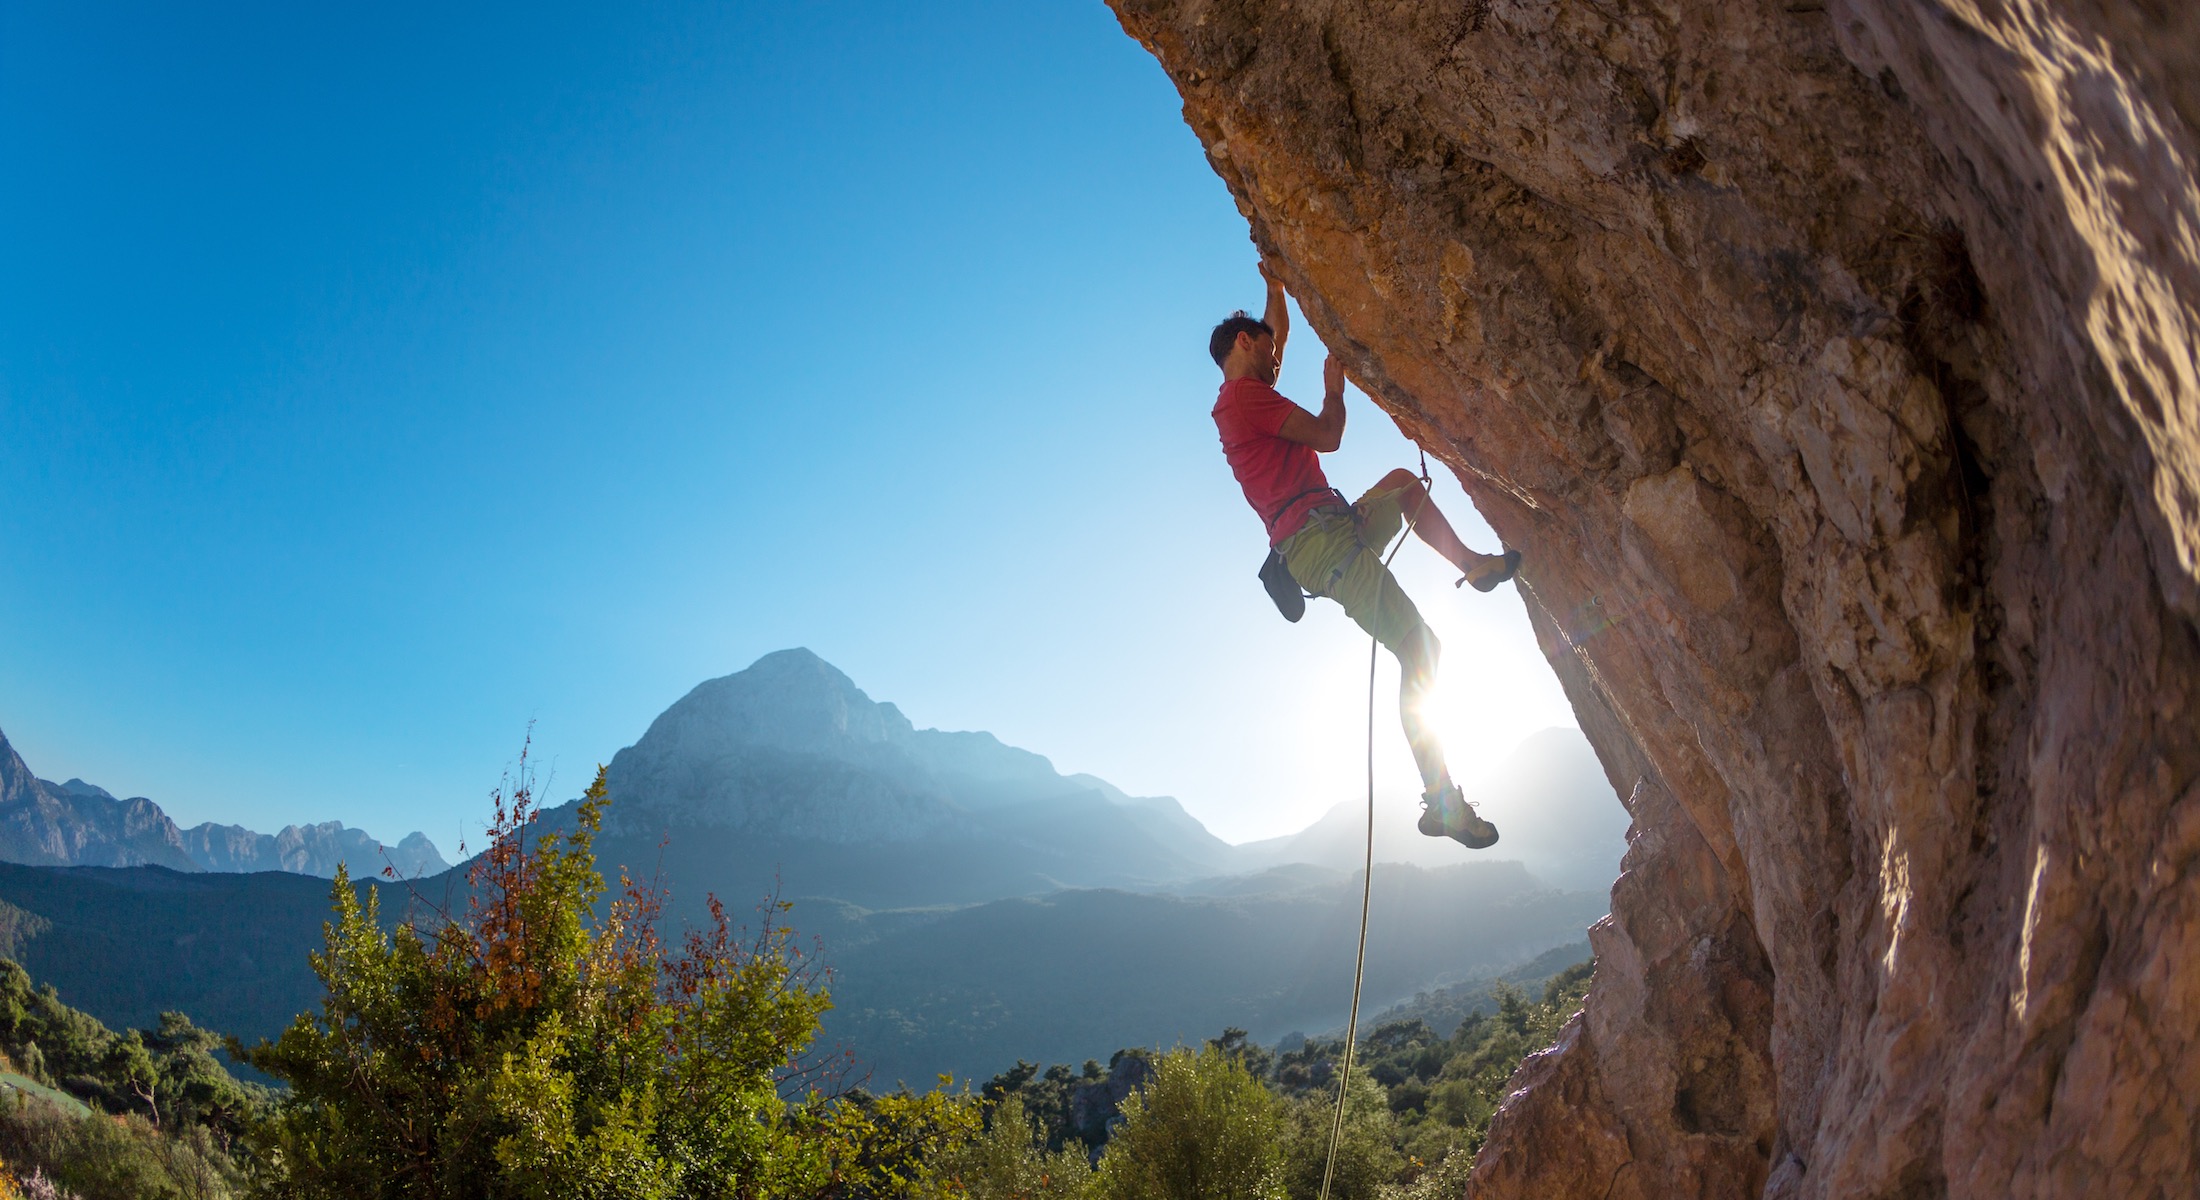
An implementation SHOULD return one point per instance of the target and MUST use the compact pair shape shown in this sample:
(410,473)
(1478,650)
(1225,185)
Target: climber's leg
(1417,654)
(1401,492)
(1342,558)
(1340,555)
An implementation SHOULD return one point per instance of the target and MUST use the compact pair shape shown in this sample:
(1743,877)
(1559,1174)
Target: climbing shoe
(1446,813)
(1507,567)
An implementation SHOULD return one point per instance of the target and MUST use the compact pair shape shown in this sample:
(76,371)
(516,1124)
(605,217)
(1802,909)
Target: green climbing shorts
(1338,553)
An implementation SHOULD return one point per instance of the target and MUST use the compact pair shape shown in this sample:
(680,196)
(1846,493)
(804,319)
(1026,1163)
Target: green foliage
(1367,1152)
(545,1045)
(1446,1179)
(1418,1111)
(1008,1161)
(169,1076)
(1201,1129)
(159,1114)
(1483,1053)
(876,1147)
(102,1157)
(530,1049)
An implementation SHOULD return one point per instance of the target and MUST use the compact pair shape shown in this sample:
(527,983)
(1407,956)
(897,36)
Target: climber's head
(1244,346)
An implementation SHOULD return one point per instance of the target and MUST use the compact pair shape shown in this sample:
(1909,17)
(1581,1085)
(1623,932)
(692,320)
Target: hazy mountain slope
(969,990)
(1078,974)
(1443,1008)
(126,944)
(786,774)
(1164,817)
(77,824)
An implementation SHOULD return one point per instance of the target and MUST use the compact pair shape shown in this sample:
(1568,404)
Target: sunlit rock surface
(1834,366)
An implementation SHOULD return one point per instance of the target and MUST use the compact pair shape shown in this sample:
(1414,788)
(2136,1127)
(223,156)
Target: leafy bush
(1202,1129)
(1367,1153)
(527,1049)
(1419,1109)
(99,1157)
(876,1147)
(169,1076)
(1008,1161)
(534,1047)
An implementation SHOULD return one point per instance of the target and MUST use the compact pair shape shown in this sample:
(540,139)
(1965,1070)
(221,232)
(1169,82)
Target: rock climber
(1333,548)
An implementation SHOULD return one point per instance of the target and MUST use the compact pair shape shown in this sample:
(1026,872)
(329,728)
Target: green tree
(1009,1161)
(164,1113)
(1201,1129)
(193,1090)
(533,1046)
(101,1157)
(1445,1129)
(878,1147)
(1367,1153)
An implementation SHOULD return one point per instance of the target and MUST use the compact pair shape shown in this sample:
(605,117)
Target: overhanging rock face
(1834,365)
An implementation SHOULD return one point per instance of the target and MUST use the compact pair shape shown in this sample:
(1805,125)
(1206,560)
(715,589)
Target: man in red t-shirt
(1335,549)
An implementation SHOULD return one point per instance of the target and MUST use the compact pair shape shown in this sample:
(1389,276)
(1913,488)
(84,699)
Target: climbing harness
(1367,879)
(1275,574)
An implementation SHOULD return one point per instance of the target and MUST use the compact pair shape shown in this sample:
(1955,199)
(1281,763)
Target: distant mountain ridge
(77,824)
(786,776)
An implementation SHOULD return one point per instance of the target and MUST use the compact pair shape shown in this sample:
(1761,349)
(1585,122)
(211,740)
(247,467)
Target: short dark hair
(1225,334)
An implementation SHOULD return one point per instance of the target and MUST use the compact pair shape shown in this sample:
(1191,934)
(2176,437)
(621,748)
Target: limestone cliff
(1833,362)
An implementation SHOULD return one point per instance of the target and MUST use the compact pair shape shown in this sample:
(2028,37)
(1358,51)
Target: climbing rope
(1367,877)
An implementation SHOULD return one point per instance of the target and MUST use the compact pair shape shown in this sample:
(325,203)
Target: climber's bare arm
(1325,432)
(1278,313)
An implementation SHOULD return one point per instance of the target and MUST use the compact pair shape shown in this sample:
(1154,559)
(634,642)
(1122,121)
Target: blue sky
(374,383)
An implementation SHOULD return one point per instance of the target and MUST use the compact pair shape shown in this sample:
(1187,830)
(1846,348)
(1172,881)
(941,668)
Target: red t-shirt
(1271,468)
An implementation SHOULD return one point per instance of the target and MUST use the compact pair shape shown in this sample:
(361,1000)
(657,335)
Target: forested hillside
(130,943)
(1077,974)
(100,1115)
(1418,1107)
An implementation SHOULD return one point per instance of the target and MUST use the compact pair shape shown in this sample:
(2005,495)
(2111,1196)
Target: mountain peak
(709,756)
(787,700)
(791,752)
(77,787)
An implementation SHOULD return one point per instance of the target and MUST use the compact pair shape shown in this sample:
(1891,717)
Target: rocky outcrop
(1834,363)
(76,824)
